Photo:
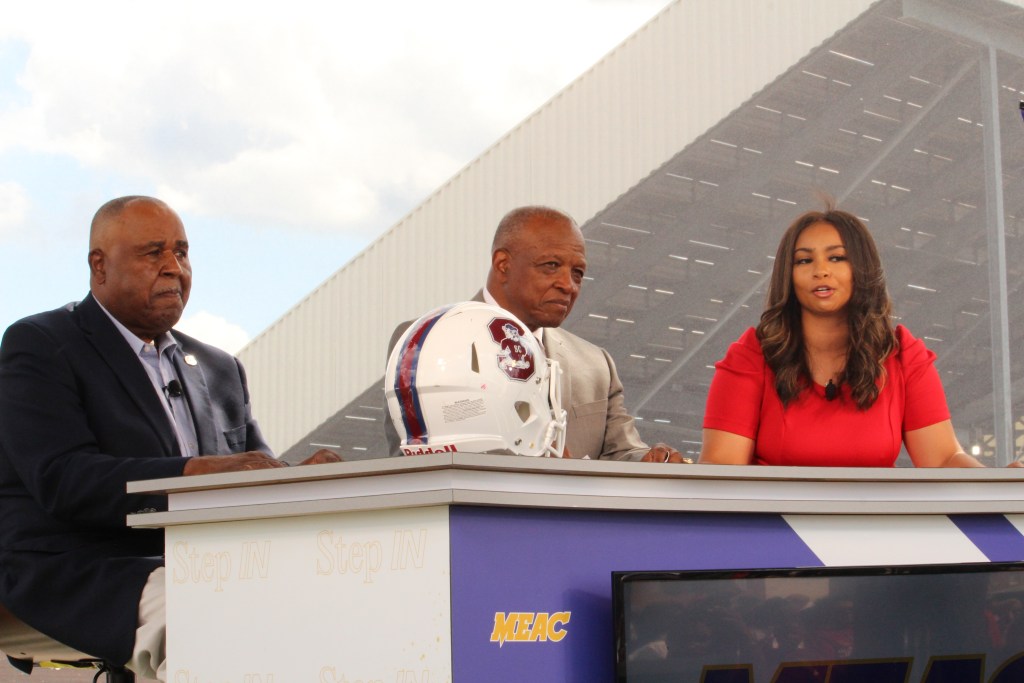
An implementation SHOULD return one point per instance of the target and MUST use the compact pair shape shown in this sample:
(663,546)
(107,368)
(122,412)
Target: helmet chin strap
(554,435)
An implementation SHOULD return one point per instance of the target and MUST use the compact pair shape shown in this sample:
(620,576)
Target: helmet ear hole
(523,410)
(474,361)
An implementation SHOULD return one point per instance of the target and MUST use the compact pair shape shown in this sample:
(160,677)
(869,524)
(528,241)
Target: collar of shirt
(165,343)
(538,334)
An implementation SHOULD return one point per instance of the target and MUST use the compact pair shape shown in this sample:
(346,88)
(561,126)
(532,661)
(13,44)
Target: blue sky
(286,140)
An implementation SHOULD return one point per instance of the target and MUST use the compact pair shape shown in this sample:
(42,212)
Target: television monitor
(959,623)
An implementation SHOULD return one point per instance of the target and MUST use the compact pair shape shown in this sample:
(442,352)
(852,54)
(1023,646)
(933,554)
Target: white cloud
(14,205)
(321,116)
(214,330)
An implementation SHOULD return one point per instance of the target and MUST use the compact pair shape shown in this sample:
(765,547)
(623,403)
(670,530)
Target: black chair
(15,635)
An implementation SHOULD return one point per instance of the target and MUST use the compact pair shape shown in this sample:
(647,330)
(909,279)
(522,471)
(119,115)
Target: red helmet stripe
(405,377)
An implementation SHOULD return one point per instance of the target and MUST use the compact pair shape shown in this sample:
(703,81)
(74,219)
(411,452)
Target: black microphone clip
(173,389)
(831,391)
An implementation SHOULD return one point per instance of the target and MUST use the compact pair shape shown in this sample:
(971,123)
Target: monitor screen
(908,624)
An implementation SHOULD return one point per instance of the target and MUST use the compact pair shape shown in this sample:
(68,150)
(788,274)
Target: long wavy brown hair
(872,337)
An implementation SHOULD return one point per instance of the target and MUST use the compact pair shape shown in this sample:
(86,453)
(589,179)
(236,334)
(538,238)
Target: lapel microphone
(174,389)
(831,390)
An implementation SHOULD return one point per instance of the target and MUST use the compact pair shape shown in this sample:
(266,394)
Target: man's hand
(662,452)
(322,456)
(238,462)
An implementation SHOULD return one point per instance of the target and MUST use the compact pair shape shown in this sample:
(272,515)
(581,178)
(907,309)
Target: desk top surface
(472,479)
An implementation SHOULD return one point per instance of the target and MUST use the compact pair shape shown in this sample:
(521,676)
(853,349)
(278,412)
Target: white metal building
(684,154)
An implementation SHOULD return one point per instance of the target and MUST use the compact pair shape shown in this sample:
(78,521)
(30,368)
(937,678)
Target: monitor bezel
(621,578)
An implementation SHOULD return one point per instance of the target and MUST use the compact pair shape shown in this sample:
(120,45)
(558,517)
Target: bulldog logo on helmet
(515,358)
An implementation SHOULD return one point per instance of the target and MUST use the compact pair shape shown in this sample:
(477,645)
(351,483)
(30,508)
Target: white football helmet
(471,377)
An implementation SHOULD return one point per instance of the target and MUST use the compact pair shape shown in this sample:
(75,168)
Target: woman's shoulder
(749,339)
(903,336)
(910,350)
(745,352)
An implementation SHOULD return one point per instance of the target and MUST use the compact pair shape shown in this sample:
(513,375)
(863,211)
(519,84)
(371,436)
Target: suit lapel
(198,394)
(126,367)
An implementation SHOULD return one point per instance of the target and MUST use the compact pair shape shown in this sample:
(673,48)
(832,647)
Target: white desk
(414,570)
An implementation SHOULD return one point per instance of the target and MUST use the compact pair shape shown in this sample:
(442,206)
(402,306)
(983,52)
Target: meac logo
(529,627)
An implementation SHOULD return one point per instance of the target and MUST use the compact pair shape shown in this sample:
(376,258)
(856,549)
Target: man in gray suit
(538,259)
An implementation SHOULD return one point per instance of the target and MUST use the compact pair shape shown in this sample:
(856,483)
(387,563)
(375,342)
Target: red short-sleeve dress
(814,431)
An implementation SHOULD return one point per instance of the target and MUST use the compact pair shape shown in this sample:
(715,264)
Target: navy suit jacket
(79,418)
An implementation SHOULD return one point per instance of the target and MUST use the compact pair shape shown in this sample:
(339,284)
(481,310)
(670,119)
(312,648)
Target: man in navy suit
(94,395)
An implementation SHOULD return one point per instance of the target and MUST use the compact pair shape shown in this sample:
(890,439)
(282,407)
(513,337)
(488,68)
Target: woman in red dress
(825,379)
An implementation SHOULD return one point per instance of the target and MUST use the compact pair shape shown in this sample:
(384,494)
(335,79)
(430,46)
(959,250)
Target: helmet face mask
(471,378)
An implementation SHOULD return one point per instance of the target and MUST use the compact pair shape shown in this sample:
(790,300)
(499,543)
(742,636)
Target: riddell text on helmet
(421,450)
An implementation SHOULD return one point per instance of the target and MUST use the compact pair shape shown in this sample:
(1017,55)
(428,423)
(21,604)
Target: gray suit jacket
(592,395)
(598,425)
